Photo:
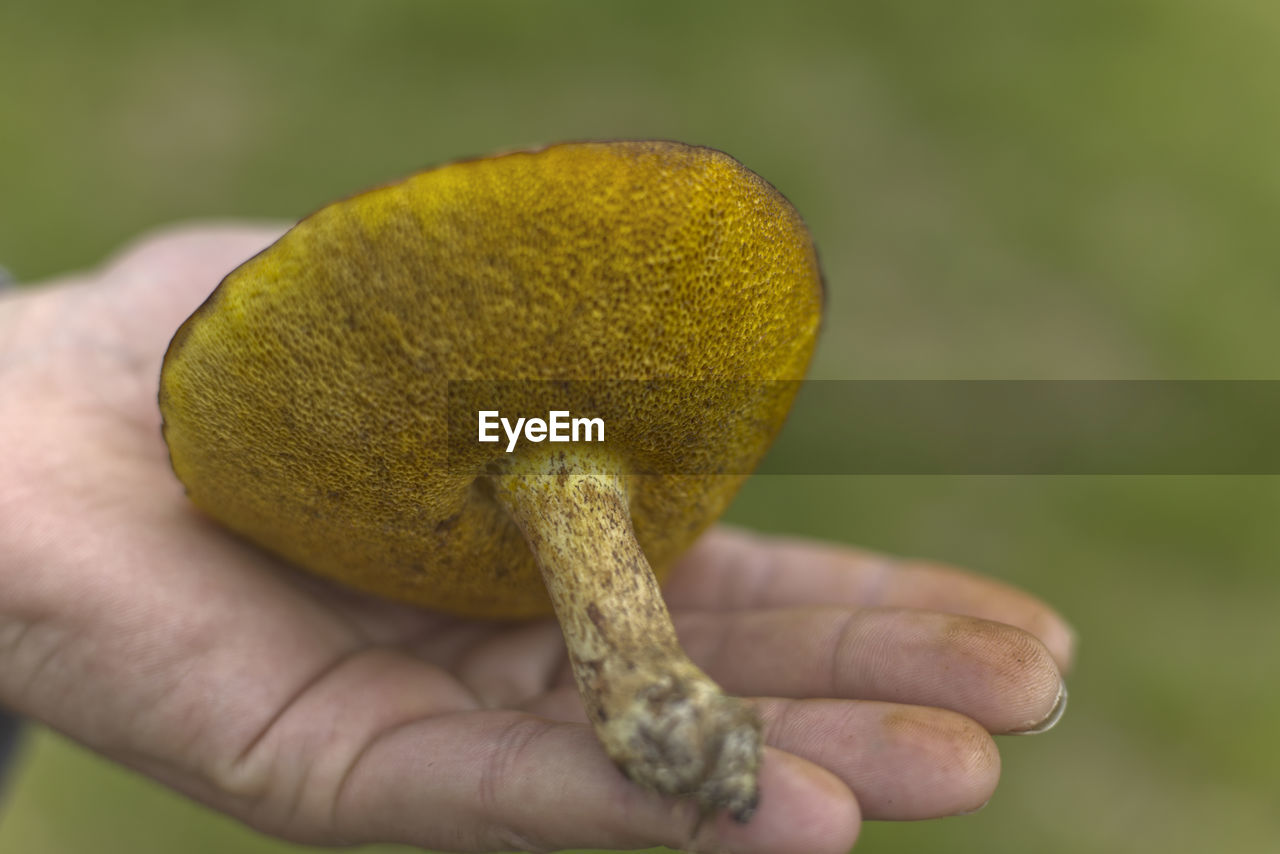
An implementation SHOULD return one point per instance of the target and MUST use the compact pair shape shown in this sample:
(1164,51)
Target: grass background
(999,188)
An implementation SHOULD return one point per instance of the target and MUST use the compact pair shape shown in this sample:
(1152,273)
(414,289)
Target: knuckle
(504,768)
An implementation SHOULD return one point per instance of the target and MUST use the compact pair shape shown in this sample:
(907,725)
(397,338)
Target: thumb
(504,780)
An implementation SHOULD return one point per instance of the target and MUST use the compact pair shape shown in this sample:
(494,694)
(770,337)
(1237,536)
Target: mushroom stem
(661,719)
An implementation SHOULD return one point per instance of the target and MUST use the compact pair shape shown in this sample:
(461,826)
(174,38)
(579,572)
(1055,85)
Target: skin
(138,627)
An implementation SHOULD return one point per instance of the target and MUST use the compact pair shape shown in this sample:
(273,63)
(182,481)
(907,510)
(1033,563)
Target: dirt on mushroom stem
(663,721)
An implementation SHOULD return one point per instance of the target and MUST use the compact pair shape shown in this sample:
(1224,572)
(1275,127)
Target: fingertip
(1050,720)
(1051,629)
(803,809)
(1061,639)
(1014,683)
(182,245)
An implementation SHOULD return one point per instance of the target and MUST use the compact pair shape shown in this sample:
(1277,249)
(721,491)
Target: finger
(510,666)
(505,780)
(731,569)
(119,320)
(161,278)
(191,248)
(901,762)
(999,675)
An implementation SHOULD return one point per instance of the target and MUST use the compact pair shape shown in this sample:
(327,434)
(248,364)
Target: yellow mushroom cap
(306,403)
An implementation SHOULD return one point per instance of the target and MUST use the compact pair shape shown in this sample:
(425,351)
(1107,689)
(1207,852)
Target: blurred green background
(999,189)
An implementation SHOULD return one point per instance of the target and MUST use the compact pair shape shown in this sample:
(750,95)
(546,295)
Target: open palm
(137,626)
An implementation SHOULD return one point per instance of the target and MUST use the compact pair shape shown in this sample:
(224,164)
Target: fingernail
(1051,720)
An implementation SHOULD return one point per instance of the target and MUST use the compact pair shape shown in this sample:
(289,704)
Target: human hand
(137,626)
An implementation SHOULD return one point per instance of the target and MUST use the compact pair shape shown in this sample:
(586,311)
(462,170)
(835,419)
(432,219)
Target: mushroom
(312,404)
